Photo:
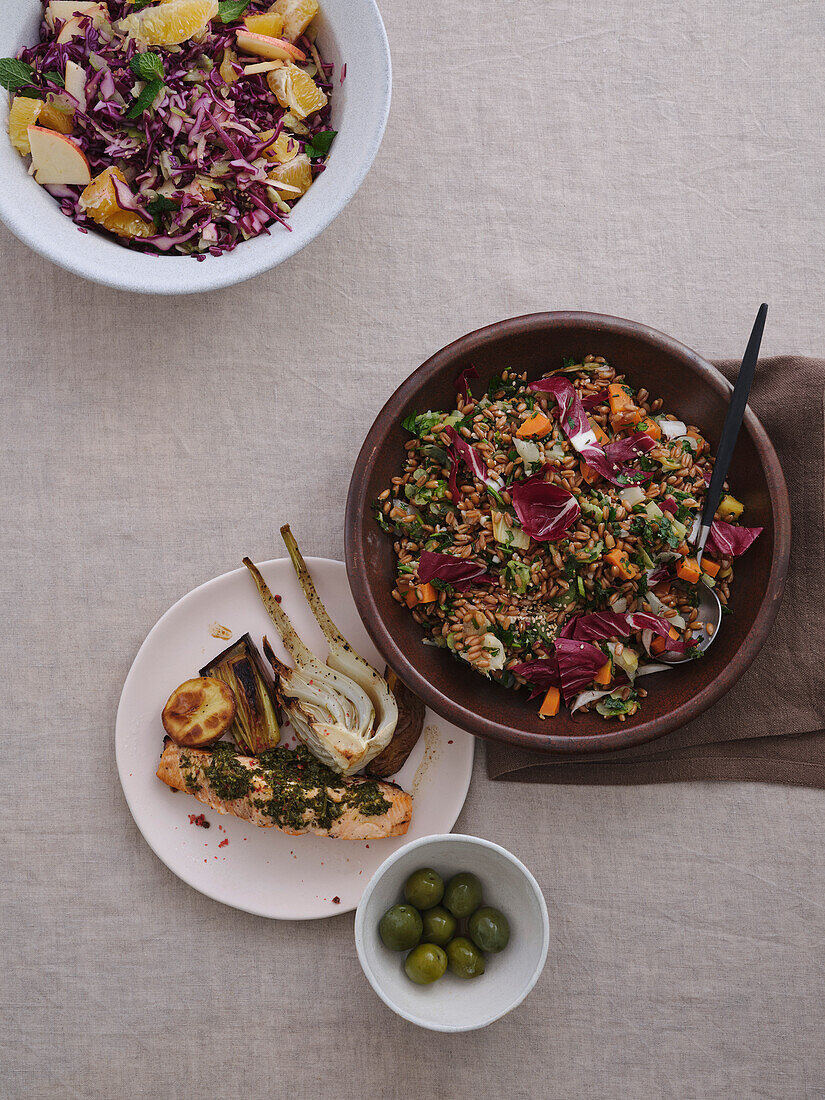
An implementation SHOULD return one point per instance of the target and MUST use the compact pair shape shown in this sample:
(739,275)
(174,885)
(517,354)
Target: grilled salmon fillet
(287,790)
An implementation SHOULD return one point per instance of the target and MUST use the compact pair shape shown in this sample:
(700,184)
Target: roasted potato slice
(199,712)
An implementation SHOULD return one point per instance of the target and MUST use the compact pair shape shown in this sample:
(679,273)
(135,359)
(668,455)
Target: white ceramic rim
(360,918)
(148,274)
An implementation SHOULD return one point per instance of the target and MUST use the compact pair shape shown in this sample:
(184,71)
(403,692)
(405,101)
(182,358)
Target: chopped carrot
(600,435)
(649,427)
(588,473)
(619,397)
(710,567)
(603,676)
(550,706)
(688,569)
(658,644)
(621,561)
(422,593)
(537,427)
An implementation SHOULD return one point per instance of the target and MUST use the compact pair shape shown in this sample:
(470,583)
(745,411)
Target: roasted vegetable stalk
(255,728)
(342,710)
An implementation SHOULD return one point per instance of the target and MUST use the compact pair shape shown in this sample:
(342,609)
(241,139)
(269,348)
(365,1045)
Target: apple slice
(273,49)
(75,82)
(68,12)
(56,158)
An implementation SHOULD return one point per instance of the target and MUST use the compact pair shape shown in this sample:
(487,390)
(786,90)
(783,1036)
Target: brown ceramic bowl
(689,387)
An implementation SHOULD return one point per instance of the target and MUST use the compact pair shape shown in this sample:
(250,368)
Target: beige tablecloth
(662,162)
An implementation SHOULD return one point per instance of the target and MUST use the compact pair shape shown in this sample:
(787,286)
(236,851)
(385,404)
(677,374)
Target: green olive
(424,888)
(400,928)
(439,926)
(465,959)
(489,929)
(425,963)
(463,894)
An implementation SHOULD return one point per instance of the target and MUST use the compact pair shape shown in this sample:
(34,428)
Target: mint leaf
(230,10)
(145,100)
(138,4)
(160,205)
(14,73)
(319,144)
(148,66)
(55,77)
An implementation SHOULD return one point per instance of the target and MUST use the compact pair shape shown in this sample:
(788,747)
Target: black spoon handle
(730,429)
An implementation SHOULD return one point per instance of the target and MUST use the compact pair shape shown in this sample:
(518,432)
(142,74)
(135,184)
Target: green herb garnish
(145,100)
(319,144)
(148,66)
(230,10)
(14,74)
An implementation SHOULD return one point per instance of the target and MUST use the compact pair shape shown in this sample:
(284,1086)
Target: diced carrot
(649,427)
(600,435)
(550,706)
(422,593)
(537,427)
(657,646)
(710,567)
(603,675)
(620,559)
(619,397)
(688,569)
(588,473)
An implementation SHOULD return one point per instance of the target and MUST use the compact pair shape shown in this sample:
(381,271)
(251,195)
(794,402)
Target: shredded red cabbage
(459,572)
(544,510)
(198,148)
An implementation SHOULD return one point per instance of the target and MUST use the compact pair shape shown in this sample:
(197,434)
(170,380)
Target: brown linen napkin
(770,727)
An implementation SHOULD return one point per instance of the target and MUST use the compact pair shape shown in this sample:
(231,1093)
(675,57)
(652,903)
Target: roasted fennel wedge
(329,710)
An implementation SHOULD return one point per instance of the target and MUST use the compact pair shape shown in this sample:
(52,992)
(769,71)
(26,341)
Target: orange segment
(296,174)
(282,149)
(22,114)
(269,23)
(99,200)
(297,15)
(170,23)
(57,118)
(296,91)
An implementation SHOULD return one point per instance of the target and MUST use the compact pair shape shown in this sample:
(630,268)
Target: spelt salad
(542,534)
(181,127)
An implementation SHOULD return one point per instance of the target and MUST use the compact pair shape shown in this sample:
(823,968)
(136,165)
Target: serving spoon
(709,607)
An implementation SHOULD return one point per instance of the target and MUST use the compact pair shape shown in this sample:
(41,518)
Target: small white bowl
(451,1003)
(349,32)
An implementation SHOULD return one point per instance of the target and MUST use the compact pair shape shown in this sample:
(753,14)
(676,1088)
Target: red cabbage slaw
(193,159)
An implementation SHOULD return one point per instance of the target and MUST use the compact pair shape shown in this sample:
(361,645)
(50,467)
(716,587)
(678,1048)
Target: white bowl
(349,32)
(451,1003)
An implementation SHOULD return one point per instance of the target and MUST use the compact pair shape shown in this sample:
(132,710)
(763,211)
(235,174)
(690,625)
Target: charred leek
(255,728)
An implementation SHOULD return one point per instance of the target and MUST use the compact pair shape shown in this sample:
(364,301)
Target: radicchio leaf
(541,674)
(460,449)
(578,662)
(600,626)
(608,461)
(459,572)
(462,383)
(729,541)
(594,399)
(545,511)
